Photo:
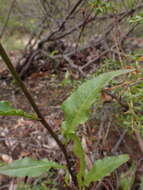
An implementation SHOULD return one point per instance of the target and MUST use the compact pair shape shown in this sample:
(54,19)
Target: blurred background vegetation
(18,19)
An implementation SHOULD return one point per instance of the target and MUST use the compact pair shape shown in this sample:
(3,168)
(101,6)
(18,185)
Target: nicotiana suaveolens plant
(76,109)
(7,110)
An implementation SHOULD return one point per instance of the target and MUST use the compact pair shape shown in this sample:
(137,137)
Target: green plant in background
(15,27)
(7,110)
(137,19)
(127,179)
(132,119)
(133,94)
(17,20)
(76,109)
(100,6)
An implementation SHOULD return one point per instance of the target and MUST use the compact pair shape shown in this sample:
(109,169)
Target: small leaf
(7,110)
(127,179)
(78,151)
(76,107)
(28,167)
(104,167)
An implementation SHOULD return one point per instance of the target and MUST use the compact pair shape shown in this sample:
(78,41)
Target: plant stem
(27,94)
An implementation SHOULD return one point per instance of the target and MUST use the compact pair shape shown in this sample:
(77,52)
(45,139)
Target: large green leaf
(104,167)
(7,110)
(28,167)
(76,107)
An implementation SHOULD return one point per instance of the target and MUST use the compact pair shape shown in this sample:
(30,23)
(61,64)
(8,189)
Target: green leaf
(136,19)
(76,107)
(7,110)
(28,167)
(78,151)
(104,167)
(127,179)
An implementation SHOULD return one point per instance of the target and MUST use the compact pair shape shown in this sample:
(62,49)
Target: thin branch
(60,28)
(118,99)
(27,94)
(70,13)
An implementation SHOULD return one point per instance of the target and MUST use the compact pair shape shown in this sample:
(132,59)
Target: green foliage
(137,19)
(7,110)
(104,167)
(128,4)
(17,19)
(77,111)
(78,151)
(132,119)
(100,6)
(28,167)
(77,107)
(127,179)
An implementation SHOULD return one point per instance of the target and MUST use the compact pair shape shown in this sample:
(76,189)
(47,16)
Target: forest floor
(21,137)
